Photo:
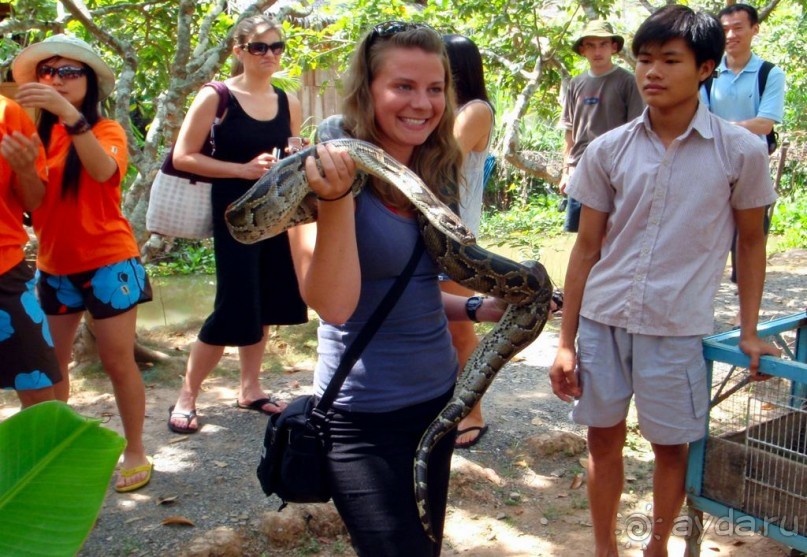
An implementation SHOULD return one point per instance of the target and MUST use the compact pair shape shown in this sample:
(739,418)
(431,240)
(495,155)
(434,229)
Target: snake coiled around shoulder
(282,199)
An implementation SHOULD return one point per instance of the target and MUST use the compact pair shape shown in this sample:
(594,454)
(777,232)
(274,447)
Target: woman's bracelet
(80,127)
(349,190)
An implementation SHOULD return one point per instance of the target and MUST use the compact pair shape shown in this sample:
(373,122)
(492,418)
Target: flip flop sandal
(129,472)
(467,445)
(189,416)
(257,405)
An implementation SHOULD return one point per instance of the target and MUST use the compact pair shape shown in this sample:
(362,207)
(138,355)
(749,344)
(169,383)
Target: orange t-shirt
(82,233)
(12,235)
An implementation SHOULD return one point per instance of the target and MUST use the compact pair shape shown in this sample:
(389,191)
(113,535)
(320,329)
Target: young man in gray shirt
(661,198)
(602,98)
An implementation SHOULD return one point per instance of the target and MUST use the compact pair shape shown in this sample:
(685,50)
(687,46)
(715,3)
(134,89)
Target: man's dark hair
(701,32)
(753,16)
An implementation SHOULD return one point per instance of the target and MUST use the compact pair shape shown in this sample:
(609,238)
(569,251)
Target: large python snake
(282,199)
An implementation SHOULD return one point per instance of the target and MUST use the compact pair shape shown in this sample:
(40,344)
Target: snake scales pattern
(282,199)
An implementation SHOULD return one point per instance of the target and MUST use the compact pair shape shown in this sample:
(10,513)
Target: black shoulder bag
(294,453)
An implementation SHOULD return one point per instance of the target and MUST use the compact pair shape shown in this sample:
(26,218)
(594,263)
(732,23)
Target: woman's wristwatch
(472,304)
(81,126)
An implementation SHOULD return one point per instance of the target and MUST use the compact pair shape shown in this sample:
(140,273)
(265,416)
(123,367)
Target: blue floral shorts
(26,347)
(105,292)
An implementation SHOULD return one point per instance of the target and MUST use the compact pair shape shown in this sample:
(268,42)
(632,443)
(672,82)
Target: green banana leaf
(55,468)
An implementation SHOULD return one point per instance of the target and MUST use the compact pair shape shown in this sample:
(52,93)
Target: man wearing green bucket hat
(596,101)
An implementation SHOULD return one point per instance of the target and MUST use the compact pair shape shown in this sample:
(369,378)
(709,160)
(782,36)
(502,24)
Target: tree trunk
(85,348)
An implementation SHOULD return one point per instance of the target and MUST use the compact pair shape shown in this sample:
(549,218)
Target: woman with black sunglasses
(255,284)
(88,258)
(399,97)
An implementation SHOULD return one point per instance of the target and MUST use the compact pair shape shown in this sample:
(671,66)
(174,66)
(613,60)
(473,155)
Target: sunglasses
(389,28)
(260,49)
(65,72)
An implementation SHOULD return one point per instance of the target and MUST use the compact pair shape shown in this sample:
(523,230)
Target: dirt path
(507,498)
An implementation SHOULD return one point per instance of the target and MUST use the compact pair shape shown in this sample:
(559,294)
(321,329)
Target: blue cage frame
(724,347)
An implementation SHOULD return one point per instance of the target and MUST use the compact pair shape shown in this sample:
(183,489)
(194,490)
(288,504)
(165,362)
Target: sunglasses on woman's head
(65,72)
(260,49)
(389,28)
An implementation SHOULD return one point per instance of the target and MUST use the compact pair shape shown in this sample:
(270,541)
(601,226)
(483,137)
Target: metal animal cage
(750,471)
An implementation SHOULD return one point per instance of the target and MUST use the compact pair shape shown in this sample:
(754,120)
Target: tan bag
(179,203)
(180,207)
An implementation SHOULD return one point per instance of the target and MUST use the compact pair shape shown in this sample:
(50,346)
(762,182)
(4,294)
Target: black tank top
(240,137)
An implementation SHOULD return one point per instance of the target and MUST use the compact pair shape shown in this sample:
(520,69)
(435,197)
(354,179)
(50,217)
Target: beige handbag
(179,203)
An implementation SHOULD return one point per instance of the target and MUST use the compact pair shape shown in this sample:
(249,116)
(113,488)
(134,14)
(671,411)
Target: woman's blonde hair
(246,29)
(439,159)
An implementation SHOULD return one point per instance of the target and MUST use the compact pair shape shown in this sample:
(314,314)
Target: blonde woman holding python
(398,97)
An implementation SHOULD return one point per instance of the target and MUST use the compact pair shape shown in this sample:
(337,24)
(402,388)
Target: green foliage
(188,257)
(790,222)
(517,39)
(524,227)
(536,134)
(519,32)
(55,467)
(781,40)
(794,176)
(331,40)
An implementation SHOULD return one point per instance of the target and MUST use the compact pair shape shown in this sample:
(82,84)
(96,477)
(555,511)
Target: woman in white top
(473,129)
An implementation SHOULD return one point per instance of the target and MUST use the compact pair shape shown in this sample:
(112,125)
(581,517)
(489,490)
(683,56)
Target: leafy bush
(790,222)
(188,257)
(793,182)
(524,227)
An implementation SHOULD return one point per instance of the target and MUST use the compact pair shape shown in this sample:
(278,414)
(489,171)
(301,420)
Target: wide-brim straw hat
(24,67)
(599,28)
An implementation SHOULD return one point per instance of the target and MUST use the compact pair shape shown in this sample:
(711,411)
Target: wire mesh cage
(756,458)
(753,461)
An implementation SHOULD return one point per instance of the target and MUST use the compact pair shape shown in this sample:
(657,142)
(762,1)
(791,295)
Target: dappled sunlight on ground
(489,536)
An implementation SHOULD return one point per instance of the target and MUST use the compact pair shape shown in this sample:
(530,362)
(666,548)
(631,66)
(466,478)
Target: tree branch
(766,10)
(534,165)
(117,8)
(206,26)
(512,67)
(14,26)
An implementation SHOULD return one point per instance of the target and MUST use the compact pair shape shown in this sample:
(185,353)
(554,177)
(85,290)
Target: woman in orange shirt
(26,349)
(88,259)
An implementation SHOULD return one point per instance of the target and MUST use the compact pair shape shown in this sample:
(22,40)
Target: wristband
(337,198)
(80,127)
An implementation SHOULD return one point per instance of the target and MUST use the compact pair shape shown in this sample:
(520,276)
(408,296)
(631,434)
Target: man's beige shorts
(666,374)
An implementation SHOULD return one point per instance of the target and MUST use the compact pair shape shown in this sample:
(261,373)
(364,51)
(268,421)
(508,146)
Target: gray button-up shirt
(670,220)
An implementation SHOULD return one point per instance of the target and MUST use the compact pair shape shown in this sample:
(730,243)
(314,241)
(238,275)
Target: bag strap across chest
(353,352)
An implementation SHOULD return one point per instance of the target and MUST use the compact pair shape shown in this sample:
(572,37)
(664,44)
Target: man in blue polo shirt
(734,94)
